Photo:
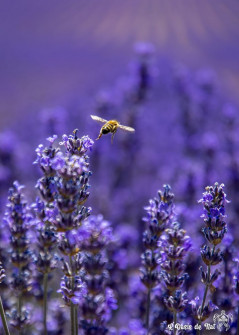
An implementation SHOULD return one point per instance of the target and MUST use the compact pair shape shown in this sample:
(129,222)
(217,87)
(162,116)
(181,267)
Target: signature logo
(223,320)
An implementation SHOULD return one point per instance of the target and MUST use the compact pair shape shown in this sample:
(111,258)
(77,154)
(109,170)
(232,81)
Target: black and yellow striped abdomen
(109,127)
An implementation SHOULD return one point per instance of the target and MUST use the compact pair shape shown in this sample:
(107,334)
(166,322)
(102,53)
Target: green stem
(205,293)
(45,284)
(238,321)
(73,322)
(148,310)
(20,309)
(174,322)
(76,319)
(173,294)
(203,301)
(3,317)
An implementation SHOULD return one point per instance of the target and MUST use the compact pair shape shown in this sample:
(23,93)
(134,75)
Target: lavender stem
(76,319)
(74,331)
(72,320)
(205,293)
(174,322)
(204,300)
(3,317)
(20,309)
(238,321)
(45,284)
(148,309)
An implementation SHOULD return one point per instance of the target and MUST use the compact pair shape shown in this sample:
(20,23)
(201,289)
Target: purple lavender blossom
(72,291)
(19,220)
(207,310)
(174,246)
(98,305)
(214,201)
(159,214)
(75,145)
(46,213)
(72,174)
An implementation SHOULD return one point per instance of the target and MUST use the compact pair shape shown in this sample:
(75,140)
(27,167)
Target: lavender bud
(72,291)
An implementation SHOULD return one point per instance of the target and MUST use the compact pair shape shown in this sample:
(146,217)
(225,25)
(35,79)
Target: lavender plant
(72,177)
(45,260)
(225,296)
(18,218)
(98,304)
(174,248)
(214,200)
(158,215)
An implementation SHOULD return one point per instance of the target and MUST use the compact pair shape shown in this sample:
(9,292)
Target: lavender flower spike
(214,201)
(158,215)
(19,221)
(72,176)
(72,292)
(174,249)
(100,301)
(46,215)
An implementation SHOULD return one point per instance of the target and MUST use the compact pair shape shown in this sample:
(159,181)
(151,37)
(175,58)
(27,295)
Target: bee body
(110,126)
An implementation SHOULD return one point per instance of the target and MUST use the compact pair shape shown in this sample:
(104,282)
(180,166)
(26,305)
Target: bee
(110,126)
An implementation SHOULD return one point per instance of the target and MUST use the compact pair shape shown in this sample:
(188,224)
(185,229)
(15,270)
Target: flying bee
(110,126)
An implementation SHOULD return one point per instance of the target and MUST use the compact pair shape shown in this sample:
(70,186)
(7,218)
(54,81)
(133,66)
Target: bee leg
(112,137)
(100,134)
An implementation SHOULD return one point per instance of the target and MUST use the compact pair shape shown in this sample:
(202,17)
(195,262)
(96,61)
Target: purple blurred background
(62,52)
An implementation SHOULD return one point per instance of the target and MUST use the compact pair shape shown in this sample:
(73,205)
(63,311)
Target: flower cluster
(98,305)
(158,216)
(214,201)
(72,177)
(75,145)
(18,219)
(72,182)
(45,211)
(73,290)
(44,207)
(174,247)
(45,158)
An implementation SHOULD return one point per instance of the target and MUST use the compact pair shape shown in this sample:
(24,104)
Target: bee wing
(132,130)
(99,119)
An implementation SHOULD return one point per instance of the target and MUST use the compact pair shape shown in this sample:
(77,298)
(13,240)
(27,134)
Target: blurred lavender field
(168,69)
